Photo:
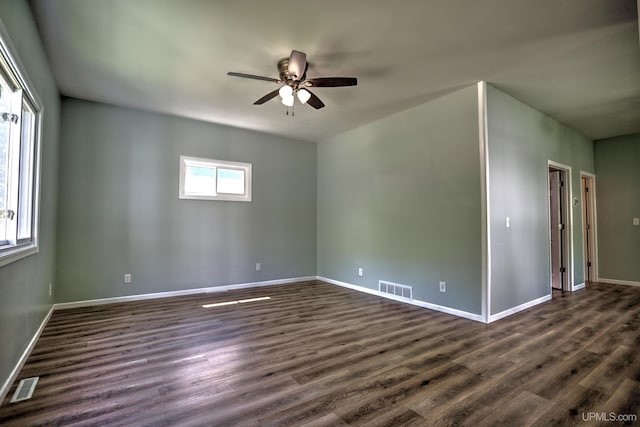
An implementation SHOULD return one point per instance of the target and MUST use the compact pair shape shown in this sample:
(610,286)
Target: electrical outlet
(258,266)
(443,287)
(127,278)
(360,271)
(636,221)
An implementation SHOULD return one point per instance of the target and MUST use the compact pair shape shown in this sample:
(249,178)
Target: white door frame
(593,231)
(568,284)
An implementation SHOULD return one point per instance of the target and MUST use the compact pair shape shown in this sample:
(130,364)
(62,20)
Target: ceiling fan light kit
(286,92)
(293,78)
(303,95)
(288,101)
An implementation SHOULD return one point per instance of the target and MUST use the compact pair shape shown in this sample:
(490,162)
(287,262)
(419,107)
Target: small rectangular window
(209,179)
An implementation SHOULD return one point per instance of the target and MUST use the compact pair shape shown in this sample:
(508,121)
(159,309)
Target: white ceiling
(576,60)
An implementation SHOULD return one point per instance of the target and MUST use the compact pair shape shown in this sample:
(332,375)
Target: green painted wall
(521,142)
(24,284)
(400,198)
(618,202)
(119,210)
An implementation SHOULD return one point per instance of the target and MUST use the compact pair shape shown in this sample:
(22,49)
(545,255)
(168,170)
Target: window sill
(7,256)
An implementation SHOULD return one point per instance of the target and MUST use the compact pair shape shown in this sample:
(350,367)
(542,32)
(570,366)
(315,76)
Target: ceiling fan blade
(297,65)
(331,82)
(267,97)
(314,101)
(252,76)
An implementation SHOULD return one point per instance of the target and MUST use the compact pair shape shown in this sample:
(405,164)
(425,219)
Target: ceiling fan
(293,78)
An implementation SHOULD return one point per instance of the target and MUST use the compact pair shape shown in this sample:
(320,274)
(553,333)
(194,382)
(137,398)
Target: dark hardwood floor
(316,354)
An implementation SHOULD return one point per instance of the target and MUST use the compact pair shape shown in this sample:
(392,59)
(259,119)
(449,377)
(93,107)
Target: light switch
(636,221)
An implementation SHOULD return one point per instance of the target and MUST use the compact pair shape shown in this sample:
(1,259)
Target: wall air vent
(395,289)
(25,389)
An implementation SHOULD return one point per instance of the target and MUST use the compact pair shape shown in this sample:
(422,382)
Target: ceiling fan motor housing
(283,69)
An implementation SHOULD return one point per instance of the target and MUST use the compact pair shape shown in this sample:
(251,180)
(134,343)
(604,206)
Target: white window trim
(14,253)
(19,251)
(245,167)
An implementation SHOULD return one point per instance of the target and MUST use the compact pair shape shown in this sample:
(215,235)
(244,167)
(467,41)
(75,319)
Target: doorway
(559,223)
(587,184)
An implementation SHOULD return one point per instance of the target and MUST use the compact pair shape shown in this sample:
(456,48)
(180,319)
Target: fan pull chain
(293,113)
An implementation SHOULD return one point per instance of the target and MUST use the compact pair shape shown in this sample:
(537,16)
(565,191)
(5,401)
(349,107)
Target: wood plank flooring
(315,354)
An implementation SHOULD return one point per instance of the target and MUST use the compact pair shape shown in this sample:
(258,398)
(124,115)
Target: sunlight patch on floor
(240,301)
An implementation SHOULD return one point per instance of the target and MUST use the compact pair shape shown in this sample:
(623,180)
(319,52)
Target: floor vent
(402,291)
(25,389)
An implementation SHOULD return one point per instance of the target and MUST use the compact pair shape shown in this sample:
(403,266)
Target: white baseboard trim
(25,355)
(618,282)
(419,303)
(578,287)
(509,312)
(212,289)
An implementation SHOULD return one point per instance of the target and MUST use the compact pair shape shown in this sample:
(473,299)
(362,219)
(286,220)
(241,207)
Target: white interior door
(555,222)
(588,227)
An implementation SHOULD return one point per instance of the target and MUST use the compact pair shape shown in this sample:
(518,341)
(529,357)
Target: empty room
(279,213)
